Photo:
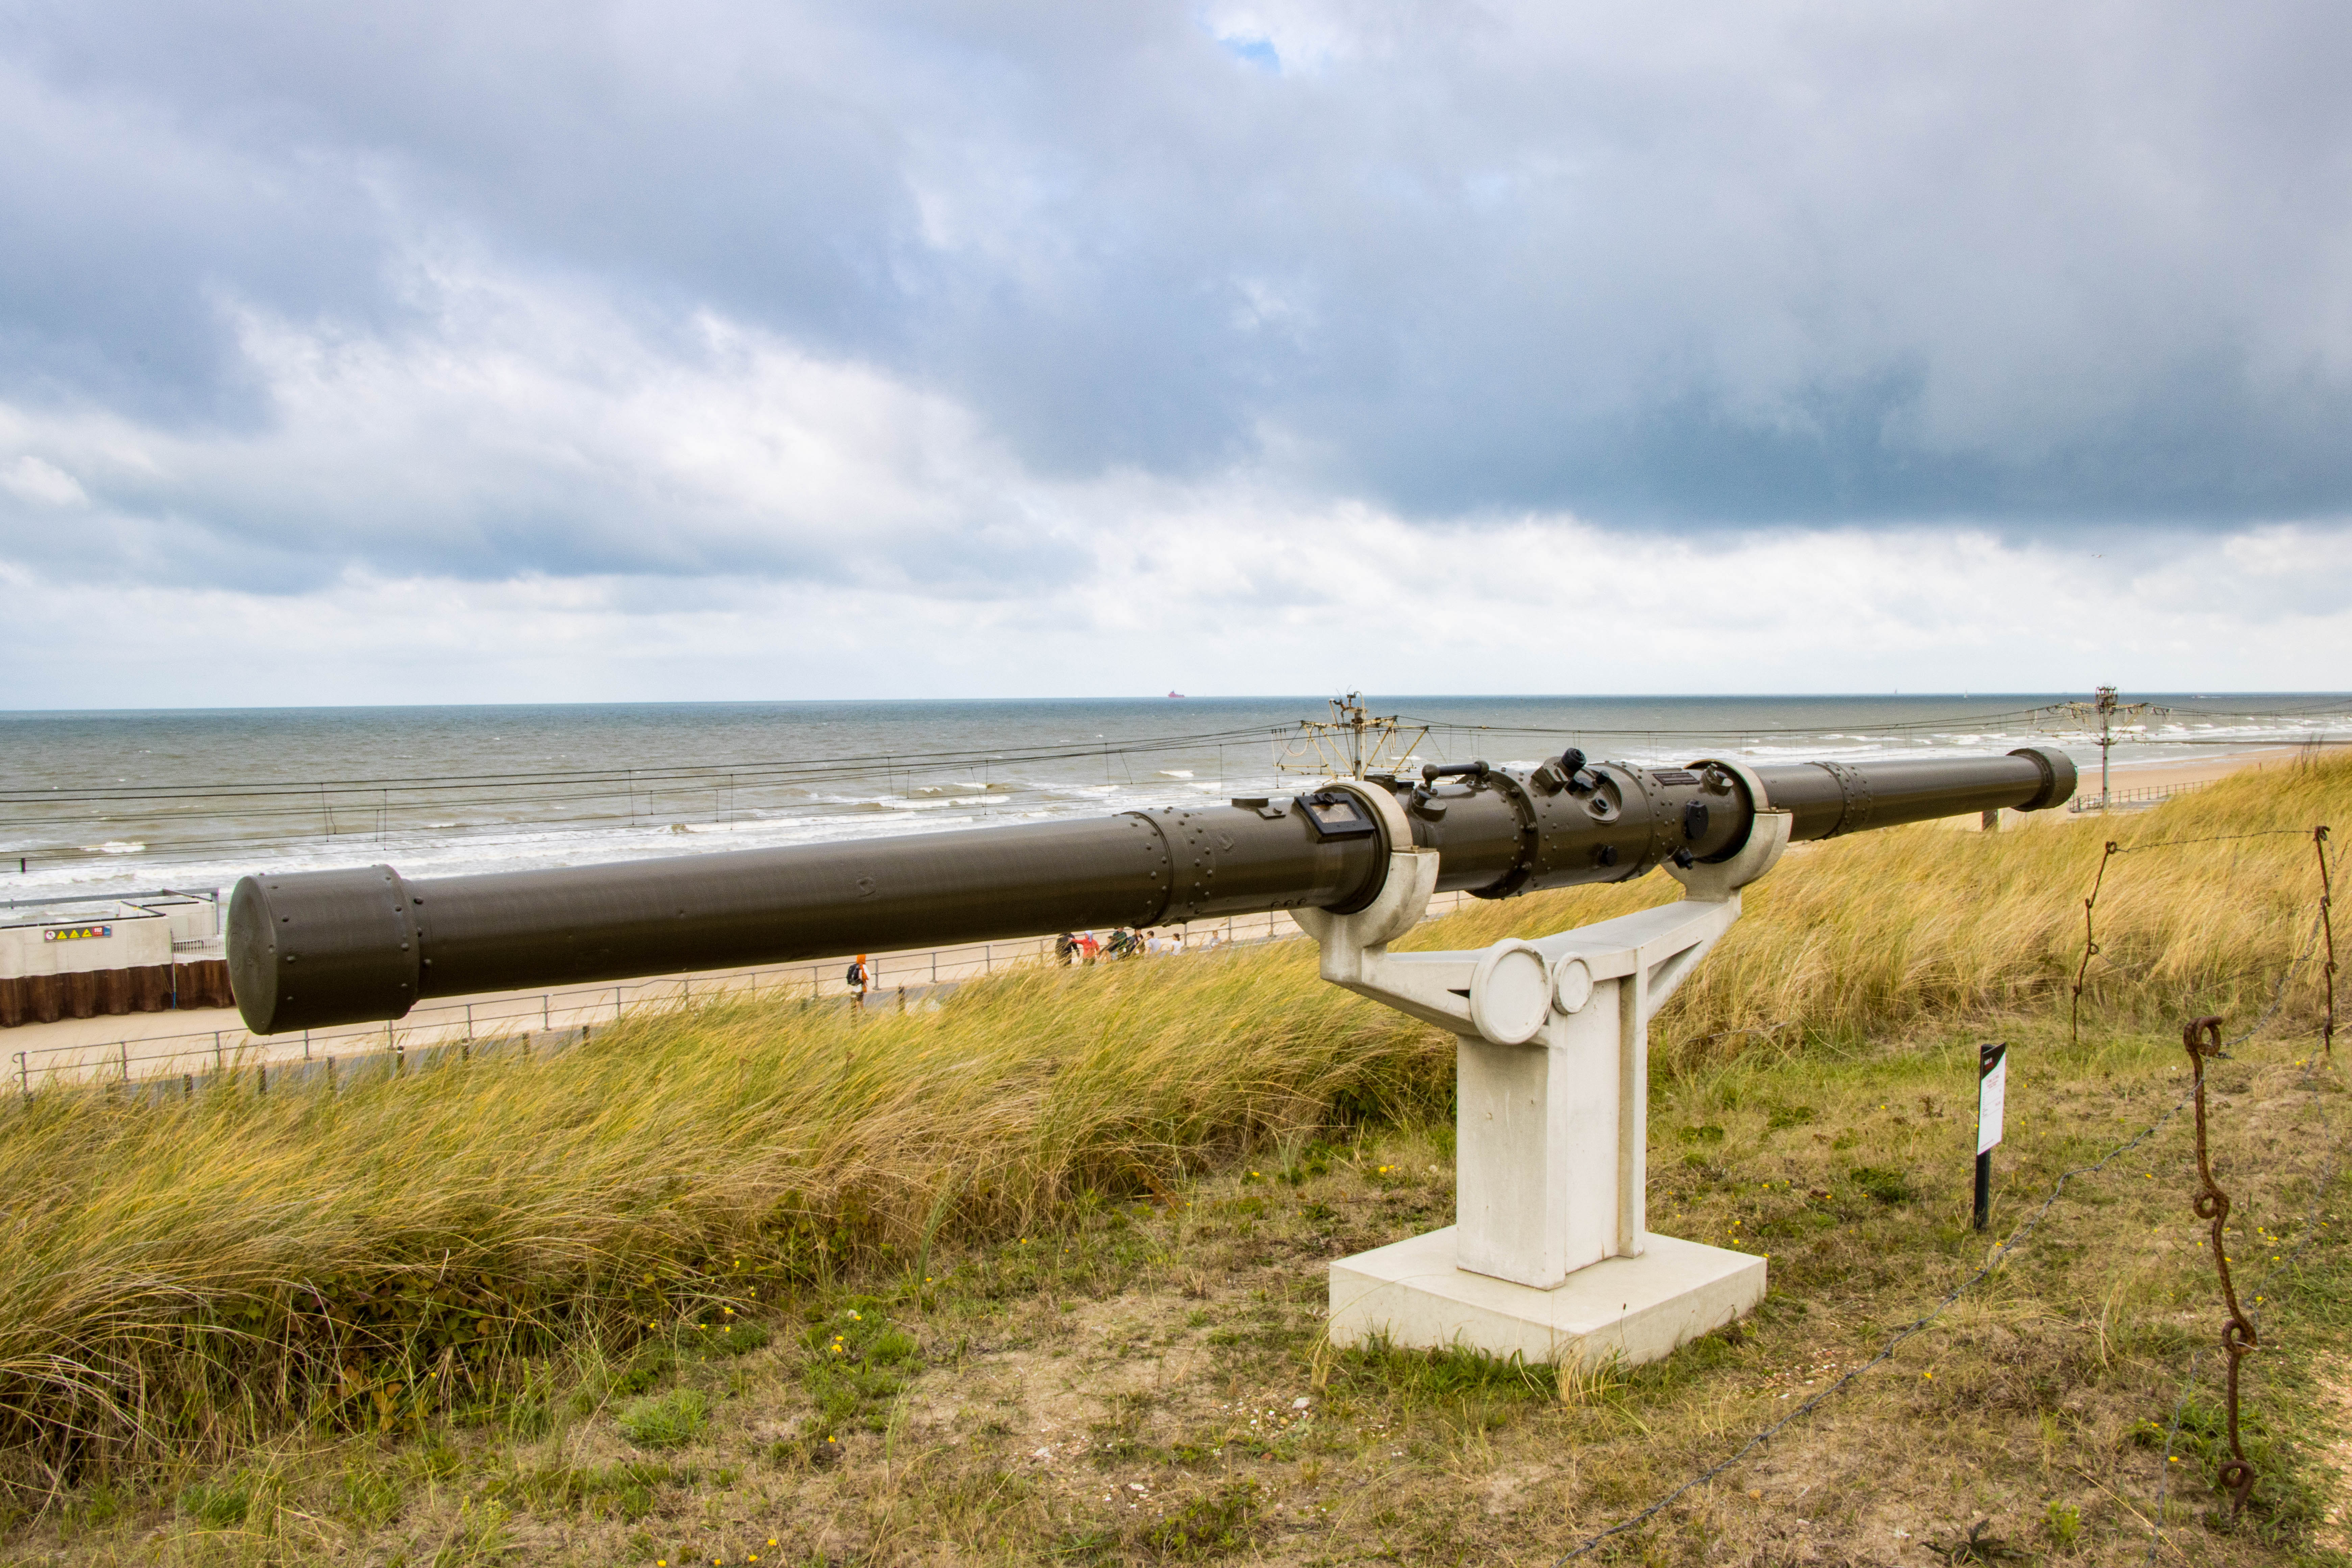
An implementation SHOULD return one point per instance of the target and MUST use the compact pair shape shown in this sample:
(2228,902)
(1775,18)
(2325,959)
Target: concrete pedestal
(1635,1309)
(1550,1258)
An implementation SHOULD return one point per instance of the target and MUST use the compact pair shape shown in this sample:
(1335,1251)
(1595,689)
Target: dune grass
(1148,1382)
(203,1272)
(194,1277)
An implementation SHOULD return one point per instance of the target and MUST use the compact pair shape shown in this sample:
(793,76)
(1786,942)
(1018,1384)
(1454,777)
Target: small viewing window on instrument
(1336,815)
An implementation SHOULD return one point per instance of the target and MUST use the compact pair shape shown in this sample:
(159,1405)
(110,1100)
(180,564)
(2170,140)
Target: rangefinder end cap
(2057,776)
(308,949)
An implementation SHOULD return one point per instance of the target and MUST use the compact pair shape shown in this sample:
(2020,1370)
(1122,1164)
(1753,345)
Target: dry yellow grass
(191,1276)
(206,1271)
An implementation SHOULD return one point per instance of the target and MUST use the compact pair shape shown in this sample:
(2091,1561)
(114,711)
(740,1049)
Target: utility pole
(2106,706)
(2105,701)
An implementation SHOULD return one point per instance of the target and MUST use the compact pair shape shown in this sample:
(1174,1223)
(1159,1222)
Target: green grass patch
(218,1504)
(670,1420)
(859,1360)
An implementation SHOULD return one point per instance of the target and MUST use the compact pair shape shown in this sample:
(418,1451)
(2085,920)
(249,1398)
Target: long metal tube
(308,949)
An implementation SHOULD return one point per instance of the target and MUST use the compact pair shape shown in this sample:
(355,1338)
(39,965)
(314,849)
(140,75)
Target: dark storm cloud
(1673,269)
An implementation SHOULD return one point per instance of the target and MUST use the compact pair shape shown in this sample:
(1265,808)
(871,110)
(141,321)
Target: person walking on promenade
(859,978)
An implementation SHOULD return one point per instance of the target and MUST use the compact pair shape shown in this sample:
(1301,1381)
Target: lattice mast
(1352,743)
(2107,709)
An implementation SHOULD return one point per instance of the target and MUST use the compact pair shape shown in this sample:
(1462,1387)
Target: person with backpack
(857,980)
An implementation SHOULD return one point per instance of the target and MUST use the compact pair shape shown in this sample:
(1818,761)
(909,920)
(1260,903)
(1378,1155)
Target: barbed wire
(1893,1341)
(2091,948)
(2215,838)
(1992,1261)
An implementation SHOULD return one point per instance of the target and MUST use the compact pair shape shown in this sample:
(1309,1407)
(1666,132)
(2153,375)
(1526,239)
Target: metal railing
(570,1011)
(2147,794)
(211,895)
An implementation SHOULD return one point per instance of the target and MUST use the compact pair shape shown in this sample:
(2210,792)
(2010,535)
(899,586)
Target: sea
(95,803)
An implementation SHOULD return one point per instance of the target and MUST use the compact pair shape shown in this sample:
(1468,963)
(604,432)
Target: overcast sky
(712,350)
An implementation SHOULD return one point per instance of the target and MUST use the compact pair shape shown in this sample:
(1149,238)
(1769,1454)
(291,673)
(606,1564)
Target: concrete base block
(1635,1309)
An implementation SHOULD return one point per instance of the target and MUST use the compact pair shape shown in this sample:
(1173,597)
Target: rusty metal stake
(2203,1036)
(2090,946)
(2327,925)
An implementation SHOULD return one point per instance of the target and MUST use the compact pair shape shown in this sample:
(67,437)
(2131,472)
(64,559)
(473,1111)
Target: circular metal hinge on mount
(1510,992)
(1572,985)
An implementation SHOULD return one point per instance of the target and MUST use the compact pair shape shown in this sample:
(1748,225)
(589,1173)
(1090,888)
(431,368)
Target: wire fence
(2313,1223)
(2321,925)
(891,978)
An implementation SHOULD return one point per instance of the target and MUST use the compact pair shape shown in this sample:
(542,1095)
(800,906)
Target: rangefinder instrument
(1549,1256)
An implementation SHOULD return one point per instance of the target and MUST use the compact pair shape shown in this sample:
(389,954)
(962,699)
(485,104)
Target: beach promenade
(140,1045)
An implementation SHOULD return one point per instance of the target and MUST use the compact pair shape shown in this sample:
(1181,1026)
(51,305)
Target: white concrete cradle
(1550,1258)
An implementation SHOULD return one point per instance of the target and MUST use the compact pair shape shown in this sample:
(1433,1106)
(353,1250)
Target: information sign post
(1992,1086)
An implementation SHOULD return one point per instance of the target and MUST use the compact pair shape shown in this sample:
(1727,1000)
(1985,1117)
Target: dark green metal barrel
(313,948)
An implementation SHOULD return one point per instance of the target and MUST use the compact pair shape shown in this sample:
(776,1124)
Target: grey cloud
(1713,266)
(122,233)
(487,523)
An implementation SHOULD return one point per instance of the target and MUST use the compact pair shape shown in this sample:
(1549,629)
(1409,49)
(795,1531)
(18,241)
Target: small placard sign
(1992,1087)
(76,933)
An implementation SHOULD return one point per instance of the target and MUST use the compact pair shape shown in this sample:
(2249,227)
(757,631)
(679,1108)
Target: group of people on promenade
(1069,948)
(1124,941)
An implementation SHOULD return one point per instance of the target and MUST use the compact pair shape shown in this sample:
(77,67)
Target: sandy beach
(2127,775)
(2136,786)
